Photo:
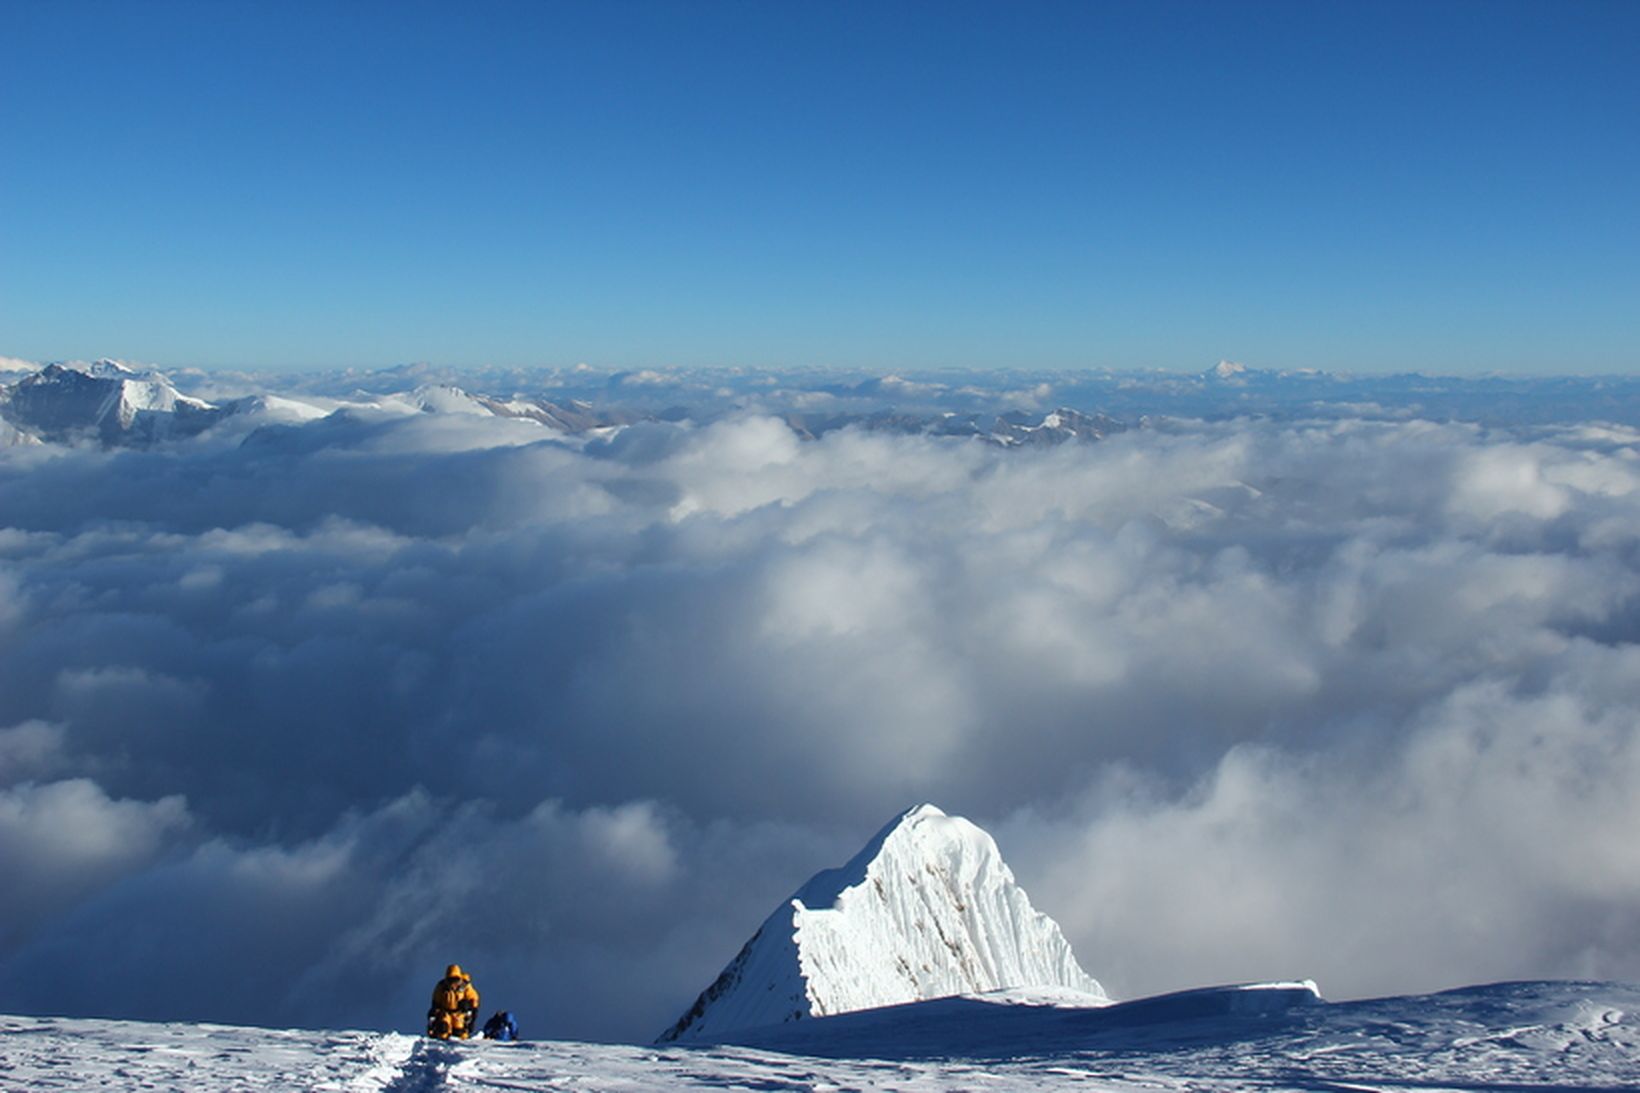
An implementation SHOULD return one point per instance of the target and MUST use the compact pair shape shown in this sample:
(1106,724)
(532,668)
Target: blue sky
(1440,187)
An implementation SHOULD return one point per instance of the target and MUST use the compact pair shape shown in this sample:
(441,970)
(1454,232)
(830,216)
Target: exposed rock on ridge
(103,401)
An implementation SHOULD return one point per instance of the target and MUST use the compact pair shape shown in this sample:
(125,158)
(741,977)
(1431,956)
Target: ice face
(927,909)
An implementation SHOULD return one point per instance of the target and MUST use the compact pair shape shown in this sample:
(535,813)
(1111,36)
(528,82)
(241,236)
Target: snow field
(1518,1036)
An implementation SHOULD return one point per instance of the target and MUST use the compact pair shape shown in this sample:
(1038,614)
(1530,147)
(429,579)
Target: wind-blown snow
(928,909)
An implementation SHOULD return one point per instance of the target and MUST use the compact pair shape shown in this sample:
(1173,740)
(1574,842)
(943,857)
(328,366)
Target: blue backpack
(501,1026)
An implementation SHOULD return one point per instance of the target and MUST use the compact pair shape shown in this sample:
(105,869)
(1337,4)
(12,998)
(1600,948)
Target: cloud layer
(297,721)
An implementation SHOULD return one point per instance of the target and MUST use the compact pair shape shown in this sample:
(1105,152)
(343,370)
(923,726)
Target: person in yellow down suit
(455,1006)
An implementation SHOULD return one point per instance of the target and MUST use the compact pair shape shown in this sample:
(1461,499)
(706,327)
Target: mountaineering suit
(455,1006)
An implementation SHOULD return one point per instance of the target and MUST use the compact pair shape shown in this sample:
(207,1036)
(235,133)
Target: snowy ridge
(104,400)
(928,909)
(1003,1023)
(111,404)
(115,405)
(1516,1036)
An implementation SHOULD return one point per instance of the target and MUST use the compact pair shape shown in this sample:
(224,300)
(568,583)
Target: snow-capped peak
(445,398)
(109,368)
(103,399)
(927,909)
(1226,370)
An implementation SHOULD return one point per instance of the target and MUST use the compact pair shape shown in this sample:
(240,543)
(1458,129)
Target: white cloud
(62,840)
(632,839)
(1492,843)
(1349,699)
(29,751)
(11,606)
(1501,481)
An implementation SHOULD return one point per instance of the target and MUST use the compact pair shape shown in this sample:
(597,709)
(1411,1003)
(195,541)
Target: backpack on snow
(501,1026)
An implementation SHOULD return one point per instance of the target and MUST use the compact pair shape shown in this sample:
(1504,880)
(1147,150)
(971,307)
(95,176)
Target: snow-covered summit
(1056,427)
(446,398)
(104,399)
(927,909)
(103,368)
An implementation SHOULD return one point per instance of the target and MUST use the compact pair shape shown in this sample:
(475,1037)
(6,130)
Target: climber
(455,1006)
(501,1026)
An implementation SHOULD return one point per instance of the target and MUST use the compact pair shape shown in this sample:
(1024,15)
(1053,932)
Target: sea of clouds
(290,721)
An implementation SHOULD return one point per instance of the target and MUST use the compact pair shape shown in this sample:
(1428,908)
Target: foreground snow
(1514,1036)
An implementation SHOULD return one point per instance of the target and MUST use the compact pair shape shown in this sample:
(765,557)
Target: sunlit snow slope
(927,909)
(1512,1036)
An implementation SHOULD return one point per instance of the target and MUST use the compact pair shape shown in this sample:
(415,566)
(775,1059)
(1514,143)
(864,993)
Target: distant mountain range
(1011,428)
(111,404)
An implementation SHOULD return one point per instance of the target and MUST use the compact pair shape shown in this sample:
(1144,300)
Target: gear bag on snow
(501,1026)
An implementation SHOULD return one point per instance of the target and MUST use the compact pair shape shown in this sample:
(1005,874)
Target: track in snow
(426,1069)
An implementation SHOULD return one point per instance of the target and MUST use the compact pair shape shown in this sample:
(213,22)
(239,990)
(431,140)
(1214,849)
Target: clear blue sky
(1447,187)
